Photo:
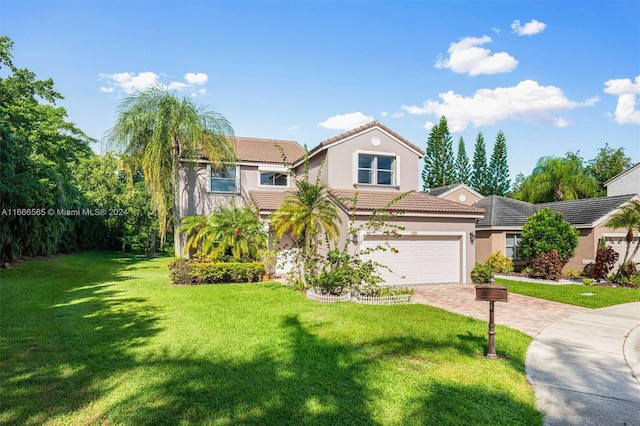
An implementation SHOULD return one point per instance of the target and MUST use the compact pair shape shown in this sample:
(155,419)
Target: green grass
(97,338)
(595,297)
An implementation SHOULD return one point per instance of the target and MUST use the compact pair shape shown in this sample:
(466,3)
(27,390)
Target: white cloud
(428,125)
(527,101)
(628,107)
(530,28)
(398,114)
(196,78)
(466,57)
(129,83)
(346,121)
(384,114)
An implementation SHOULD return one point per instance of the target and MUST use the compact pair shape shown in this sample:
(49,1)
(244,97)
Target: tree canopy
(156,129)
(38,151)
(557,179)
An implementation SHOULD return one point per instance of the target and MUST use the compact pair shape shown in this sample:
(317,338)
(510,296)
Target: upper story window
(512,245)
(225,179)
(274,179)
(376,169)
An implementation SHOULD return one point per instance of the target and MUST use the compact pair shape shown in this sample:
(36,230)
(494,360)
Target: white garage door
(419,259)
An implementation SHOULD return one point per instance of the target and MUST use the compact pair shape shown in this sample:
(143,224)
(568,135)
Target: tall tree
(156,129)
(479,168)
(498,173)
(557,179)
(38,151)
(463,168)
(439,167)
(608,163)
(307,215)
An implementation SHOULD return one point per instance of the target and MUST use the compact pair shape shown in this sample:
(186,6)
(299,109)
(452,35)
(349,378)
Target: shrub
(186,271)
(481,274)
(545,231)
(573,273)
(625,272)
(587,281)
(499,263)
(605,260)
(228,272)
(548,265)
(180,271)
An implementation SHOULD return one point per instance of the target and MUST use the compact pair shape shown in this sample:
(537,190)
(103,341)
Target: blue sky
(554,76)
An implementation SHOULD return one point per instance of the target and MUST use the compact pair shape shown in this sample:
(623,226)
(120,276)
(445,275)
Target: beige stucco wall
(341,161)
(488,242)
(195,197)
(462,195)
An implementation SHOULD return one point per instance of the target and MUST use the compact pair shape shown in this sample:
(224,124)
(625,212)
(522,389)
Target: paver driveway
(524,313)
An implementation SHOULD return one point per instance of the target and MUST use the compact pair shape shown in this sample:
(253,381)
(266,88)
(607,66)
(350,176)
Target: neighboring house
(372,162)
(501,227)
(626,182)
(456,192)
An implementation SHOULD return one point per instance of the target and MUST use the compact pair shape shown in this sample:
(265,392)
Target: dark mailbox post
(491,293)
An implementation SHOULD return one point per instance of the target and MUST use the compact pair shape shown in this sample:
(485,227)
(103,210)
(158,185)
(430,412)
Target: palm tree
(306,215)
(628,218)
(230,230)
(157,129)
(557,179)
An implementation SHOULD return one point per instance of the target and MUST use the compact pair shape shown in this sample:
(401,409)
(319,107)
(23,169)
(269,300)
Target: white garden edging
(382,300)
(328,298)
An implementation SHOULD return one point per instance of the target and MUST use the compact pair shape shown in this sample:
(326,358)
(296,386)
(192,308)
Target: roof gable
(443,191)
(343,137)
(622,174)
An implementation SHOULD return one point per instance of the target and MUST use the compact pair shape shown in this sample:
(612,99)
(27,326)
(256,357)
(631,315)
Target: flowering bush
(548,265)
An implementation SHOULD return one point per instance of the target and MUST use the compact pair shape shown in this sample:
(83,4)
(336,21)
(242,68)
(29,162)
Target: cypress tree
(479,172)
(498,174)
(463,168)
(439,166)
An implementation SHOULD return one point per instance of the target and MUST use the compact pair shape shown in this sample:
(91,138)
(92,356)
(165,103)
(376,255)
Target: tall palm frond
(156,130)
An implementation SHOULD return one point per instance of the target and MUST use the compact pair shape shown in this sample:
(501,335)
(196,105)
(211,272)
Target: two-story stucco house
(436,244)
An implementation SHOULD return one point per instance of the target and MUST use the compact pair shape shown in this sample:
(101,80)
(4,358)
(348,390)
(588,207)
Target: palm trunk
(175,166)
(635,251)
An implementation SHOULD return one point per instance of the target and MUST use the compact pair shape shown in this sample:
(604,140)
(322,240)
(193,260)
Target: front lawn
(592,296)
(98,338)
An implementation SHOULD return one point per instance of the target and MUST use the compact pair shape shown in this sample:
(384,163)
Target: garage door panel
(419,259)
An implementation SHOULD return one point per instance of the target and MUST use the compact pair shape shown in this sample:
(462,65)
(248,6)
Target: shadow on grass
(69,345)
(61,336)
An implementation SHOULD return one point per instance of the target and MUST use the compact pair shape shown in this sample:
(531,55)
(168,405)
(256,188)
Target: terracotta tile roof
(415,202)
(267,150)
(360,129)
(267,200)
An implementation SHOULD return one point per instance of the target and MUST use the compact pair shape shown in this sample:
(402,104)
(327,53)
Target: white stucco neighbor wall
(627,182)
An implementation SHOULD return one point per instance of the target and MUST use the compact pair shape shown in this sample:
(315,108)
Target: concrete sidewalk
(585,369)
(583,364)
